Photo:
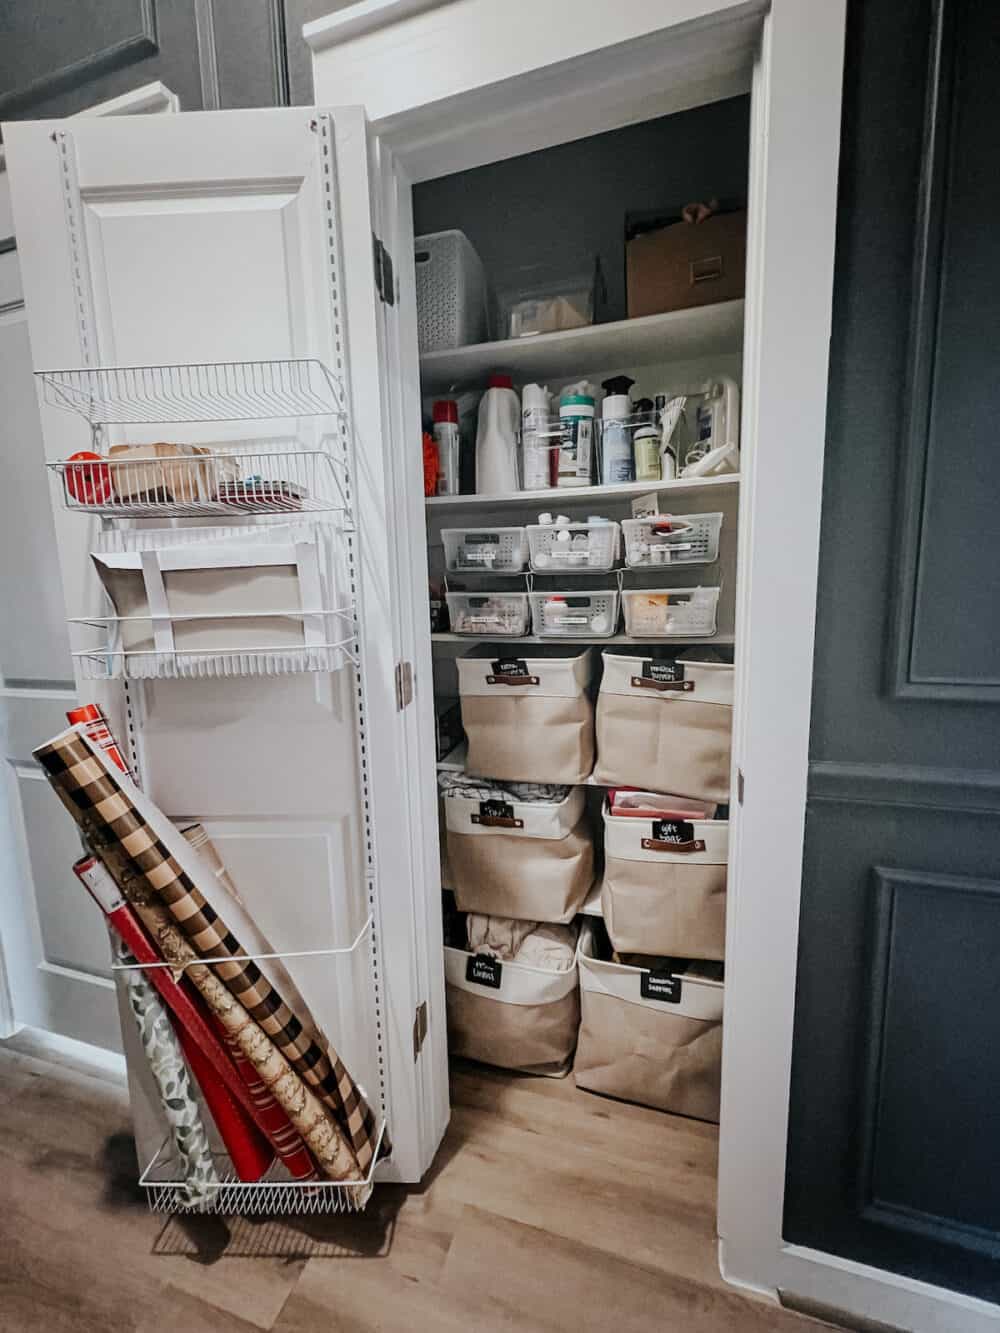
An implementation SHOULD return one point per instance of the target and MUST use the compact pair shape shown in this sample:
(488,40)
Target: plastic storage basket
(492,614)
(567,547)
(672,539)
(484,550)
(451,292)
(574,615)
(671,613)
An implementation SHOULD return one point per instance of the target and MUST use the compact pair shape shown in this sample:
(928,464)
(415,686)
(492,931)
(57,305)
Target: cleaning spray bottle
(617,463)
(717,446)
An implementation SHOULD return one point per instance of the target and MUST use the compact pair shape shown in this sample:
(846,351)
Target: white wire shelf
(204,391)
(277,1194)
(252,477)
(212,664)
(215,960)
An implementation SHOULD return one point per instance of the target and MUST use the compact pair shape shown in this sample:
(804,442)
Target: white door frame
(477,93)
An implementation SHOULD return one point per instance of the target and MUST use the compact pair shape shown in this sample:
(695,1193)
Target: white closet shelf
(678,335)
(566,639)
(557,498)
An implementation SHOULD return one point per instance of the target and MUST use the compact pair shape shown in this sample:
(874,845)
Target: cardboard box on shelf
(686,264)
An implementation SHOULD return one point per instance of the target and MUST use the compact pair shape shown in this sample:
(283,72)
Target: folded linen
(486,789)
(498,936)
(549,947)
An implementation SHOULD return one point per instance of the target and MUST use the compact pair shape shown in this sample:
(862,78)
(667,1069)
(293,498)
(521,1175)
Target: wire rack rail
(203,391)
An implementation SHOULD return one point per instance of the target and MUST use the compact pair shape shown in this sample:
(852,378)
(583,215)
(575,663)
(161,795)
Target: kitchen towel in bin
(510,1014)
(664,889)
(522,851)
(665,722)
(649,1036)
(528,719)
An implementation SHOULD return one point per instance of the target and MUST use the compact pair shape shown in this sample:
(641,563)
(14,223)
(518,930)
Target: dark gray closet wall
(559,207)
(894,1141)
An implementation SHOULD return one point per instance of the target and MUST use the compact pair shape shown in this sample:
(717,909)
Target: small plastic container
(489,614)
(671,613)
(671,539)
(484,550)
(574,615)
(570,547)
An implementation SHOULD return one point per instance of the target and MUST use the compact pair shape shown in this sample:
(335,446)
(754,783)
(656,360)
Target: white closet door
(227,237)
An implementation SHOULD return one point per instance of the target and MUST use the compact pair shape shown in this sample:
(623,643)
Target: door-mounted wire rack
(266,488)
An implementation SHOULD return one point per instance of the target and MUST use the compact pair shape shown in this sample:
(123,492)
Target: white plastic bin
(670,613)
(484,550)
(664,889)
(452,296)
(528,719)
(571,547)
(650,1037)
(530,860)
(488,614)
(671,539)
(574,615)
(506,1014)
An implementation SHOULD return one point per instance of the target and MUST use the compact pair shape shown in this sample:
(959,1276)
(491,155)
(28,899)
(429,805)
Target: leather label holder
(497,814)
(672,835)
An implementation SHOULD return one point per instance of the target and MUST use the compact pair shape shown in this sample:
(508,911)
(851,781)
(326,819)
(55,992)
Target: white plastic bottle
(617,460)
(496,438)
(535,441)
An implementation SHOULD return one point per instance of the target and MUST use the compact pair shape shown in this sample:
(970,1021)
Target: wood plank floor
(546,1210)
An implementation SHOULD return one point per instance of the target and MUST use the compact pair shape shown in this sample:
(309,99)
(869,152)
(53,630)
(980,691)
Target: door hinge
(739,785)
(419,1028)
(385,274)
(404,685)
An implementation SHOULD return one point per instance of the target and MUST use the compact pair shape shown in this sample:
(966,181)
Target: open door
(246,237)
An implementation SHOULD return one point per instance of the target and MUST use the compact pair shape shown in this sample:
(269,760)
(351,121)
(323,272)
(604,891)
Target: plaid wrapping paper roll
(98,799)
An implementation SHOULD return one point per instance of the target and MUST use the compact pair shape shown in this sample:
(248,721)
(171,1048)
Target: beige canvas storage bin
(651,1051)
(665,726)
(664,889)
(527,1022)
(528,719)
(531,860)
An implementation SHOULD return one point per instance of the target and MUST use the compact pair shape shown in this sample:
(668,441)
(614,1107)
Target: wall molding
(974,790)
(888,883)
(139,46)
(917,401)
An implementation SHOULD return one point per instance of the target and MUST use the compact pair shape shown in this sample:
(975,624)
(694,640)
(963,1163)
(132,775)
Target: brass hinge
(404,685)
(739,785)
(419,1028)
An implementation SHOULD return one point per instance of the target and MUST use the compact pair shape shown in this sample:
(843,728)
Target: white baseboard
(43,1045)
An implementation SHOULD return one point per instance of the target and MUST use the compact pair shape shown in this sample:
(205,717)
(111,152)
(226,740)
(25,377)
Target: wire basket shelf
(211,664)
(203,391)
(277,1194)
(248,478)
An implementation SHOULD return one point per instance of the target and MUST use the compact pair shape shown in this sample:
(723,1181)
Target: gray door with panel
(894,1139)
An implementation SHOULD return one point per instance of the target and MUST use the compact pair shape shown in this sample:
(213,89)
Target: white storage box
(664,889)
(528,719)
(490,613)
(570,547)
(672,539)
(452,298)
(511,1015)
(650,1037)
(574,615)
(670,613)
(664,724)
(484,550)
(530,860)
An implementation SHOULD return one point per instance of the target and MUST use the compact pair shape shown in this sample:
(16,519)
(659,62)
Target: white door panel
(247,235)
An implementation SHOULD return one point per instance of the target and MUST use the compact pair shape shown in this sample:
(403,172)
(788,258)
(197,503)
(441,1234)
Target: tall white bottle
(535,438)
(496,438)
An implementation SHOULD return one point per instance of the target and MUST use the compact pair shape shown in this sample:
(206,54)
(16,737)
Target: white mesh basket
(451,292)
(574,615)
(672,539)
(671,613)
(565,547)
(484,550)
(488,615)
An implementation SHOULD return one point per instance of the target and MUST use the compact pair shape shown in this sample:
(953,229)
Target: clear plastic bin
(672,539)
(489,614)
(566,547)
(484,550)
(671,613)
(574,615)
